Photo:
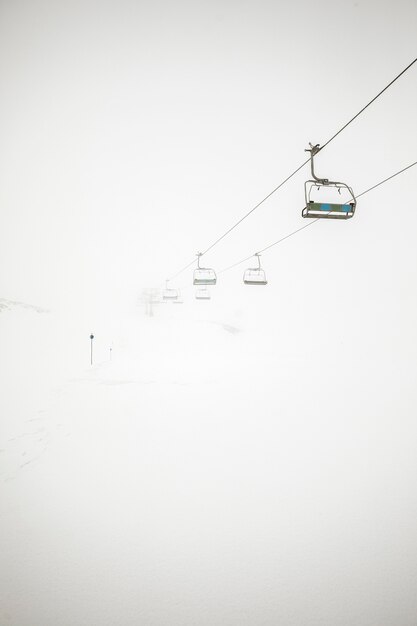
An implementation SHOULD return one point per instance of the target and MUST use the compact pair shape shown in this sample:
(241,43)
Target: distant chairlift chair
(330,210)
(255,275)
(169,294)
(204,275)
(202,293)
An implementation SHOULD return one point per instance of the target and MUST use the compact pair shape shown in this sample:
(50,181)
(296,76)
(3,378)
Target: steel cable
(295,171)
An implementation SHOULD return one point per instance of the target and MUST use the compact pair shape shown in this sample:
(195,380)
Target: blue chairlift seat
(329,210)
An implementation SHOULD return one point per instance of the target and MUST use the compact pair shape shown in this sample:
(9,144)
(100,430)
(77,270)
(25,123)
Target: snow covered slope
(203,475)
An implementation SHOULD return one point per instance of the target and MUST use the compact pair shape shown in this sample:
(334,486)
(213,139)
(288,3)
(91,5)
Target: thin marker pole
(91,349)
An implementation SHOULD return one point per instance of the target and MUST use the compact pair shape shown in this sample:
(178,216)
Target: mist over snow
(247,460)
(204,474)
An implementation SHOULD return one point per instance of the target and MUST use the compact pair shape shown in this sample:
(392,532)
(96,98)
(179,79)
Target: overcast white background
(248,460)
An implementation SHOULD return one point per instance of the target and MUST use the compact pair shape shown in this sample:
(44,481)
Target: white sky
(133,134)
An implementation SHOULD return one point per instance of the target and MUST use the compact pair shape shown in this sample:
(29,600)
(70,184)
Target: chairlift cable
(256,206)
(318,219)
(387,179)
(305,163)
(183,269)
(243,218)
(297,170)
(369,104)
(270,246)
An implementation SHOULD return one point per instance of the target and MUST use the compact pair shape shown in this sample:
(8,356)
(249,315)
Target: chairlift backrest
(329,210)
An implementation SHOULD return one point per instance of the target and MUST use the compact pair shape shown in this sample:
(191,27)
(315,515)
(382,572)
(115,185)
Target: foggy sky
(252,461)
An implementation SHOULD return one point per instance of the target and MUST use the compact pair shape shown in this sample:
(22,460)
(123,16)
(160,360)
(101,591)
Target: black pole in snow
(91,349)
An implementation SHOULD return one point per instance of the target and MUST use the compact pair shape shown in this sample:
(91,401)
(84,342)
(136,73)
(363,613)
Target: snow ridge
(8,305)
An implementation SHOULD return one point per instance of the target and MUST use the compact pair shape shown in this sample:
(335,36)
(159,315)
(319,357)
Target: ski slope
(182,483)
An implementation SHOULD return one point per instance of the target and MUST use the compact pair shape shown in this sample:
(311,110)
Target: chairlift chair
(203,275)
(255,275)
(169,293)
(326,208)
(202,293)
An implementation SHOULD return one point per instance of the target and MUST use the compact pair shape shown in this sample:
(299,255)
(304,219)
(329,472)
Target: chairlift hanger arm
(313,150)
